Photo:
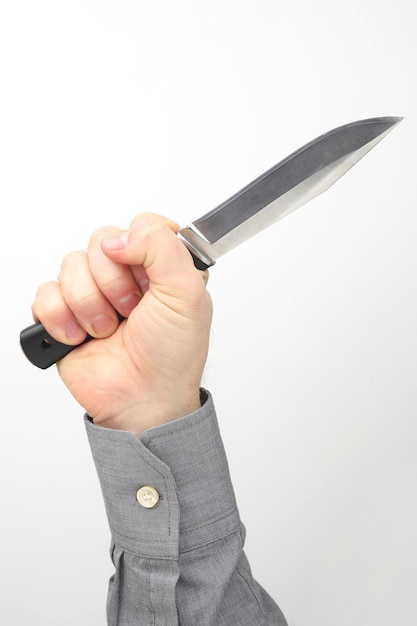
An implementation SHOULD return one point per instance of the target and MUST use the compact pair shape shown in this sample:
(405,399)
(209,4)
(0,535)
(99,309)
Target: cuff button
(147,497)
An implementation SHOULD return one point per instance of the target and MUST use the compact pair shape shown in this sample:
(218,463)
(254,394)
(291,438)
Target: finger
(205,276)
(83,296)
(142,221)
(116,282)
(50,308)
(152,243)
(138,220)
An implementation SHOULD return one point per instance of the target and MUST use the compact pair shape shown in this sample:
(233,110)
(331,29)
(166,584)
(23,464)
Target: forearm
(182,560)
(177,536)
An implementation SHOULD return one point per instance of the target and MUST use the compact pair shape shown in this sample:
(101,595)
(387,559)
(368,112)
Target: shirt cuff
(185,462)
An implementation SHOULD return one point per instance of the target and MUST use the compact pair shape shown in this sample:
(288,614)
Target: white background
(112,108)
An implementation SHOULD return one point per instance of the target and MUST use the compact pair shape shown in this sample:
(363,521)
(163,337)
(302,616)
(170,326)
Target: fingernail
(128,303)
(102,323)
(117,241)
(144,285)
(74,332)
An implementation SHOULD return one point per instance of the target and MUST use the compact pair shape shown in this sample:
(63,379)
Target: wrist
(145,414)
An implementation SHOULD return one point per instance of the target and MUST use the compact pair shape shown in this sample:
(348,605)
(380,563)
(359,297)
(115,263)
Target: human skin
(146,370)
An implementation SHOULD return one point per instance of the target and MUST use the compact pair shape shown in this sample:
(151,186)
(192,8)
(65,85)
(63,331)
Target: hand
(146,370)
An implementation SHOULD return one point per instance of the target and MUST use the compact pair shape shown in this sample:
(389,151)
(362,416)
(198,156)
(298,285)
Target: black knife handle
(43,350)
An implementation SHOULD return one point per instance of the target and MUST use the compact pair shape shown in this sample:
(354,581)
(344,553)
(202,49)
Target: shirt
(177,539)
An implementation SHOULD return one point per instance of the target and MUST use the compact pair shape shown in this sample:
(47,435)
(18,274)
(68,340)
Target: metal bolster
(190,240)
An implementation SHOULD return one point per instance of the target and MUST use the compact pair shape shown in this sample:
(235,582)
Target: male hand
(146,370)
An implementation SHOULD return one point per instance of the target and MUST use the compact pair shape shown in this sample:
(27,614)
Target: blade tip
(396,119)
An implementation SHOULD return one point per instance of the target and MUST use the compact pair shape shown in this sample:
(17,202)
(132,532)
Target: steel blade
(288,185)
(293,182)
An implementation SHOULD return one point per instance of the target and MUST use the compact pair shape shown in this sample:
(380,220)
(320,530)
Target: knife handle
(43,350)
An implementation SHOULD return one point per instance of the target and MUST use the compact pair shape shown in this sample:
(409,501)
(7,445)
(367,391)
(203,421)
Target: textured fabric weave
(180,563)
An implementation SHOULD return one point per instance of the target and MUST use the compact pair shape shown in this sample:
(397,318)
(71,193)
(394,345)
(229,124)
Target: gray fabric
(180,563)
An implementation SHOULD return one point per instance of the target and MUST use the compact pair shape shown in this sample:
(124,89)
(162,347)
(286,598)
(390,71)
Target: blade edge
(199,237)
(288,173)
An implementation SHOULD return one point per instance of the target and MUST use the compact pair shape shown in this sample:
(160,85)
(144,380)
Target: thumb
(152,243)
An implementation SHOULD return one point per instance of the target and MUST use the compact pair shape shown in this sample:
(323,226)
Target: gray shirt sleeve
(179,560)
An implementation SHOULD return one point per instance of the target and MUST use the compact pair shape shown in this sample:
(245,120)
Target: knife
(299,178)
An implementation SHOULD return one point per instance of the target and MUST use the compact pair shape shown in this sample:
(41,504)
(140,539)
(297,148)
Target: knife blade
(294,181)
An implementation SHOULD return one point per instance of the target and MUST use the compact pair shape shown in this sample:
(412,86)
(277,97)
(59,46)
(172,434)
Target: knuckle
(47,301)
(98,235)
(150,220)
(45,288)
(143,218)
(70,260)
